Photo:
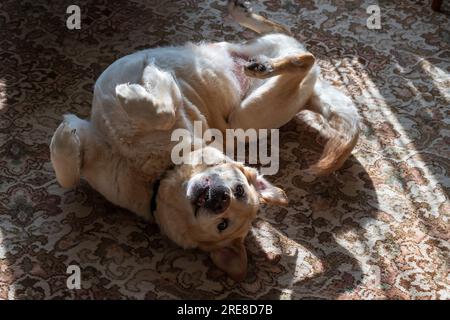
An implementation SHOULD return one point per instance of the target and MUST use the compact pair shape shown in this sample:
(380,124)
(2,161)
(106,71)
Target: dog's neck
(156,185)
(155,189)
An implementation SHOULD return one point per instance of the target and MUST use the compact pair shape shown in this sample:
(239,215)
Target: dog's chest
(157,163)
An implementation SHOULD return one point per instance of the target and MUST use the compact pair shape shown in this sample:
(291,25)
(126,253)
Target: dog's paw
(239,6)
(66,152)
(304,60)
(258,69)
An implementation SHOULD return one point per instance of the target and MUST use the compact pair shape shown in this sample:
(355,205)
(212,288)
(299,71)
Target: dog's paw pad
(258,68)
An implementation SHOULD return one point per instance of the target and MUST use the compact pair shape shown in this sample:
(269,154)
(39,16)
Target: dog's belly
(206,76)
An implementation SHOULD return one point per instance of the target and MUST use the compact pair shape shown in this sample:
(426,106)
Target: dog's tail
(242,13)
(341,127)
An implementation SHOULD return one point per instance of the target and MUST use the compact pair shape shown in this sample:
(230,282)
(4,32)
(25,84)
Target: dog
(124,149)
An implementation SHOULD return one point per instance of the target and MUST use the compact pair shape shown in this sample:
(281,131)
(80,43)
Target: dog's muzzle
(211,194)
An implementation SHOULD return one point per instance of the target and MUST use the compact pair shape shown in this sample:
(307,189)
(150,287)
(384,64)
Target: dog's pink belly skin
(238,70)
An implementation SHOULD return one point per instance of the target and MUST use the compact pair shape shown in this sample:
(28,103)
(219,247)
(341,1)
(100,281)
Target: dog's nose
(219,199)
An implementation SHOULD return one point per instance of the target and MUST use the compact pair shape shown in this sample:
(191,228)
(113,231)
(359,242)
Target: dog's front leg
(152,104)
(282,96)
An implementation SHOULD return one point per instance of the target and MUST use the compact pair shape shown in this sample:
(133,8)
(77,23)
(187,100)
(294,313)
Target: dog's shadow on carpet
(300,251)
(315,241)
(312,256)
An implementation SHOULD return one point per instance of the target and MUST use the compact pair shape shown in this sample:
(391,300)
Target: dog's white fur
(141,98)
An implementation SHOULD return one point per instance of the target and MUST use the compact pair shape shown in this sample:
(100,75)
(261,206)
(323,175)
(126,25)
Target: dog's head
(210,204)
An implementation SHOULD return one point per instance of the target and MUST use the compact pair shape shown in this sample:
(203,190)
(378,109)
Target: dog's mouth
(200,200)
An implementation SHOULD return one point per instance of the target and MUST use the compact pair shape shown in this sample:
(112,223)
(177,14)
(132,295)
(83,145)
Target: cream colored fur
(141,98)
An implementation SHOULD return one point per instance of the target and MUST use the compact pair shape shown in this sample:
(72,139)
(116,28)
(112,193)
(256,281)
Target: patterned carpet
(377,229)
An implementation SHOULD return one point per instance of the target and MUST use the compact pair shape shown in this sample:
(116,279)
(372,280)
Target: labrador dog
(124,150)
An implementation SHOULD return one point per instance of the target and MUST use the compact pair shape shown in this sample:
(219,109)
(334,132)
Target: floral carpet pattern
(377,229)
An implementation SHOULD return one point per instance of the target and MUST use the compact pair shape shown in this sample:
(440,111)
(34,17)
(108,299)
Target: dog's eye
(239,191)
(223,225)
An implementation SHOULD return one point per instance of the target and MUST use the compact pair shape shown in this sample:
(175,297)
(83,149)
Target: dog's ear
(268,193)
(232,259)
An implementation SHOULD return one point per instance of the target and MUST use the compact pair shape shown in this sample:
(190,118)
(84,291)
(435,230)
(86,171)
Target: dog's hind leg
(67,149)
(242,12)
(76,151)
(74,148)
